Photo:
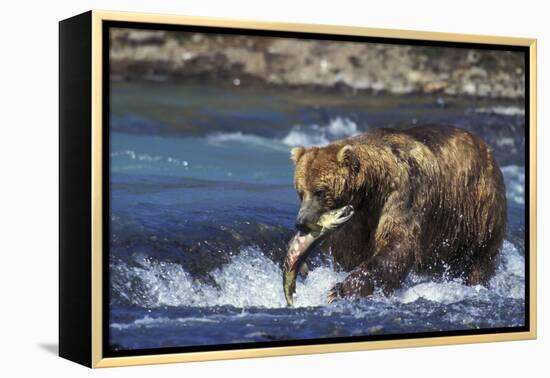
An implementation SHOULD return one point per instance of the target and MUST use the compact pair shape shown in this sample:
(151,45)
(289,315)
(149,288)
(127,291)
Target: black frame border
(106,25)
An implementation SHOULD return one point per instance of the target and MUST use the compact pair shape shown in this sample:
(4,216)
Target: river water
(202,207)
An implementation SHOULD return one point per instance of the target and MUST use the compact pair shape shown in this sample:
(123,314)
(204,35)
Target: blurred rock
(399,69)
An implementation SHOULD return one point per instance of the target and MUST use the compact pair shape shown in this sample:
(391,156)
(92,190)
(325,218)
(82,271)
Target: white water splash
(253,280)
(249,280)
(249,139)
(143,157)
(300,135)
(508,282)
(503,110)
(320,135)
(149,321)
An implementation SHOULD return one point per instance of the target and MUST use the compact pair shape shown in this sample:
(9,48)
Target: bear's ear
(296,153)
(346,156)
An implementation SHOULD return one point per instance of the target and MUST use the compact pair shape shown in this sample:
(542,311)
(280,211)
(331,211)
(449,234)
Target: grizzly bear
(429,199)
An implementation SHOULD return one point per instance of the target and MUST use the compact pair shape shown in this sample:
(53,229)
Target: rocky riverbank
(246,60)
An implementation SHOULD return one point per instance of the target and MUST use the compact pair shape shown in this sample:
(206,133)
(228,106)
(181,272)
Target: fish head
(334,219)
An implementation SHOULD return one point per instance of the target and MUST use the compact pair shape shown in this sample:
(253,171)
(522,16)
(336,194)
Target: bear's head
(323,179)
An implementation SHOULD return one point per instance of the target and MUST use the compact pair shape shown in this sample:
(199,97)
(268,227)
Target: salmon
(302,244)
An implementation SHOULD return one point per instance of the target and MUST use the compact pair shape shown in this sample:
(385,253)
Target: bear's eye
(319,193)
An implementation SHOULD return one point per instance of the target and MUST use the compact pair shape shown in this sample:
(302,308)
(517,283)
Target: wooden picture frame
(87,70)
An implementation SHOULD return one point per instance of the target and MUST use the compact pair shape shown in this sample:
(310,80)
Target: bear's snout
(308,216)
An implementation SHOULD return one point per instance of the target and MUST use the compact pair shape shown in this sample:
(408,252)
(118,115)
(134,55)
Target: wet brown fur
(429,199)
